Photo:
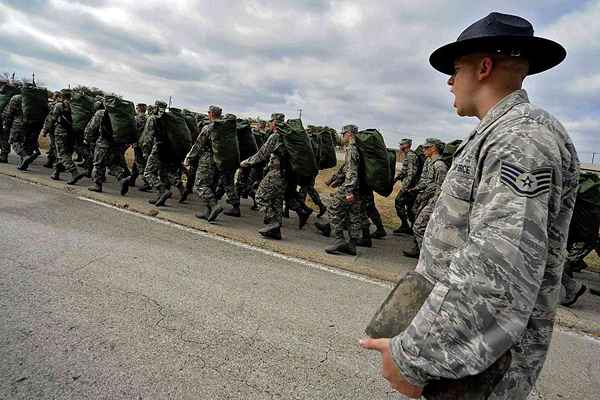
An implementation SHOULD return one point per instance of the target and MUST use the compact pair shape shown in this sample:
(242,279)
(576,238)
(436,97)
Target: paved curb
(565,318)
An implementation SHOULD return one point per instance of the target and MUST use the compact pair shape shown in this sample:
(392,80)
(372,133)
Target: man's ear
(486,66)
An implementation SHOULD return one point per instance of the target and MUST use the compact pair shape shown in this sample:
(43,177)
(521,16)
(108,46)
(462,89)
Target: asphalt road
(96,303)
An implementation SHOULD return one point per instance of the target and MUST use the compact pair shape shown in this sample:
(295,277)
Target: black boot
(145,187)
(124,183)
(303,216)
(55,174)
(322,210)
(166,195)
(342,247)
(75,177)
(96,188)
(205,214)
(271,232)
(135,172)
(365,241)
(380,233)
(25,162)
(215,213)
(286,212)
(324,228)
(234,211)
(413,252)
(183,193)
(404,229)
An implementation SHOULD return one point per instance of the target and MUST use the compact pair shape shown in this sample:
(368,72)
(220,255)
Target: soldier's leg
(204,187)
(337,214)
(64,151)
(571,289)
(421,223)
(51,154)
(191,177)
(4,145)
(99,167)
(151,172)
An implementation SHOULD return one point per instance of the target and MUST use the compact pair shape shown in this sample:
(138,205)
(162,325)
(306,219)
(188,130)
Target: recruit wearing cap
(501,34)
(350,128)
(215,110)
(405,142)
(278,117)
(429,142)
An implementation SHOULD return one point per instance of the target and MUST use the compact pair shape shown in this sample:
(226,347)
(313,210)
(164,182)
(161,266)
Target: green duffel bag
(6,93)
(82,111)
(375,161)
(328,156)
(247,143)
(35,106)
(190,120)
(449,150)
(121,114)
(298,147)
(225,147)
(174,129)
(392,158)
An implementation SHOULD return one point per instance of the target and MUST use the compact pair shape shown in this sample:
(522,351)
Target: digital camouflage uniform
(51,155)
(106,152)
(428,190)
(59,122)
(407,178)
(341,214)
(13,124)
(271,190)
(307,187)
(494,251)
(140,159)
(160,172)
(207,176)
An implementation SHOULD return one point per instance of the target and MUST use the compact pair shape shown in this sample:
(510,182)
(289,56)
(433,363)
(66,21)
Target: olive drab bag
(6,93)
(174,129)
(246,140)
(82,111)
(298,146)
(396,314)
(121,115)
(375,162)
(327,155)
(35,106)
(190,120)
(585,222)
(449,150)
(225,146)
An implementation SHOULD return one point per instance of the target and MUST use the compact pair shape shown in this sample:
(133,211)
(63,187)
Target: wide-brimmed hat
(501,34)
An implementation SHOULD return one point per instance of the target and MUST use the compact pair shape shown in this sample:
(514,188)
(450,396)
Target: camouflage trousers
(206,182)
(139,161)
(51,154)
(247,180)
(404,203)
(270,195)
(369,211)
(191,176)
(159,173)
(108,154)
(4,144)
(308,189)
(19,141)
(64,152)
(226,186)
(345,216)
(570,286)
(423,211)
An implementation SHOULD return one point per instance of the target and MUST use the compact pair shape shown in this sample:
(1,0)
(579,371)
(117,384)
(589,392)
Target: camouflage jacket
(202,148)
(58,120)
(494,250)
(12,117)
(140,124)
(347,177)
(272,151)
(432,178)
(93,128)
(408,171)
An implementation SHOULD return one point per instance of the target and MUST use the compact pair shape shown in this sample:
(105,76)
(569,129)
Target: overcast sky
(362,62)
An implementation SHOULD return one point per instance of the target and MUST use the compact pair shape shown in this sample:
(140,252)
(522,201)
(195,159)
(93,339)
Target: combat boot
(380,233)
(124,183)
(365,241)
(48,164)
(145,187)
(324,228)
(342,247)
(413,252)
(234,211)
(96,188)
(286,212)
(166,195)
(55,174)
(322,210)
(75,177)
(271,232)
(28,160)
(205,214)
(303,216)
(403,230)
(215,213)
(134,175)
(183,193)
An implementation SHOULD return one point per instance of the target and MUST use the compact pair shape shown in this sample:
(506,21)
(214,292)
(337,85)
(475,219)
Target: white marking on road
(246,246)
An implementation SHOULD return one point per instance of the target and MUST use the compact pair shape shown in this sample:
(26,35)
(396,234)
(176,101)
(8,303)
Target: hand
(186,163)
(390,372)
(350,198)
(244,164)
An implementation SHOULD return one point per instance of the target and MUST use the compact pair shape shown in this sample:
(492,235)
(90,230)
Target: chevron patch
(526,183)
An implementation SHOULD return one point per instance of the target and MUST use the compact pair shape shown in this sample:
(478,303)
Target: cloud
(340,61)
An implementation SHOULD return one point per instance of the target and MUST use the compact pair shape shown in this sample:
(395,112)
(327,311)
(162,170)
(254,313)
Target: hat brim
(542,54)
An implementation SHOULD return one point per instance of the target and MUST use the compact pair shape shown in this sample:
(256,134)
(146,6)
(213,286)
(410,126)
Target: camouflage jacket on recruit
(202,148)
(93,129)
(12,116)
(58,120)
(347,177)
(408,171)
(273,150)
(431,180)
(494,250)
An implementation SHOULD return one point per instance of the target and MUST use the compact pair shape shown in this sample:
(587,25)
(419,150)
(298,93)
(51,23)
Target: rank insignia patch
(526,183)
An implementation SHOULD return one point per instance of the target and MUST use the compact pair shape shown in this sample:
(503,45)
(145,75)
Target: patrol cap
(278,117)
(141,105)
(405,141)
(429,142)
(160,104)
(215,110)
(350,128)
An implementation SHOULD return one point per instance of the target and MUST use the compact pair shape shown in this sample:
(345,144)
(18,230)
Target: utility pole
(170,101)
(300,113)
(33,78)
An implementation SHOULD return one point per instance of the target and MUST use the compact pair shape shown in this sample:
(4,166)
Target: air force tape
(526,183)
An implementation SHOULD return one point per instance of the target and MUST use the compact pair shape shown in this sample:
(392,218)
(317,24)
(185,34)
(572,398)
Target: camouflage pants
(423,213)
(343,215)
(19,142)
(4,145)
(369,211)
(308,188)
(191,176)
(570,286)
(140,160)
(51,148)
(247,180)
(158,173)
(403,204)
(206,182)
(107,155)
(64,152)
(269,197)
(226,186)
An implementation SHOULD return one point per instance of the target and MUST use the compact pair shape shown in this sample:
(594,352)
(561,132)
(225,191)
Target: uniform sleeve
(440,170)
(200,143)
(494,280)
(424,180)
(10,112)
(264,153)
(92,129)
(409,170)
(351,179)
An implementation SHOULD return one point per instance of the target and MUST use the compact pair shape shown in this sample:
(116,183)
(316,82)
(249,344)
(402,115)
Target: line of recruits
(263,176)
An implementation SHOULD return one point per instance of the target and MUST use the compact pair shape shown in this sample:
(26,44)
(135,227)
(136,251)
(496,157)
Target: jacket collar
(502,107)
